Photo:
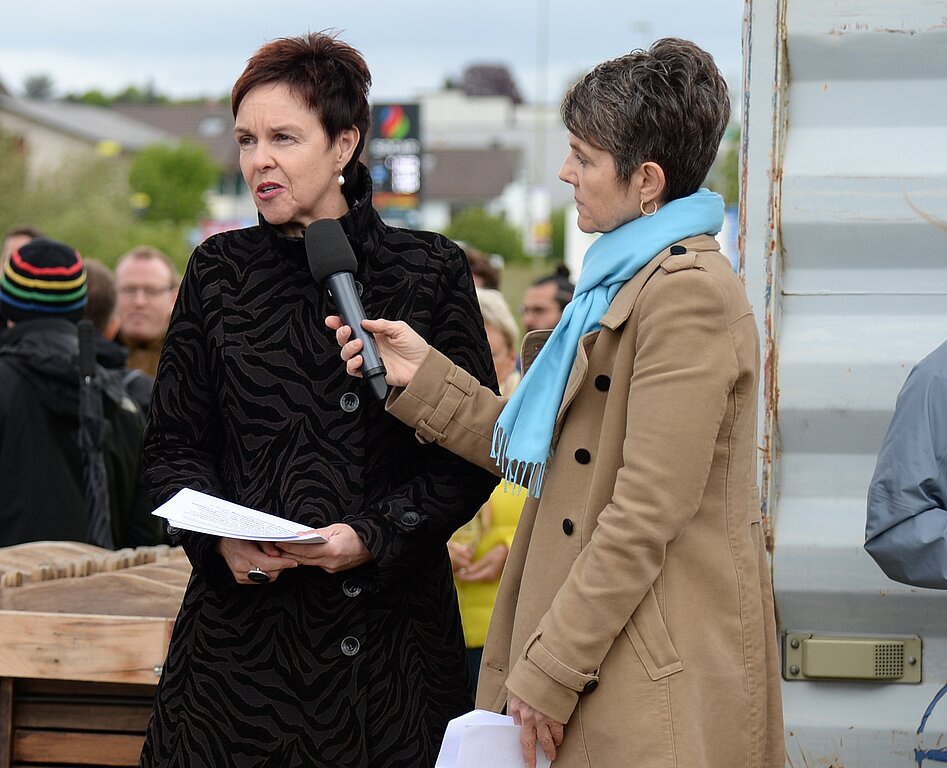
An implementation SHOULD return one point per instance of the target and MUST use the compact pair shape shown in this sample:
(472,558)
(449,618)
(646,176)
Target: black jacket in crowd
(41,485)
(114,357)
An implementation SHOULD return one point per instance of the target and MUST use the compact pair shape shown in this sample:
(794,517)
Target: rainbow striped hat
(43,278)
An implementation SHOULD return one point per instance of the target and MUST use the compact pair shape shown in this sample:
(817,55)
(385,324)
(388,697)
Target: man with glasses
(147,283)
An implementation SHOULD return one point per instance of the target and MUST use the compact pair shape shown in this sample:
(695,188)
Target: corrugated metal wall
(845,140)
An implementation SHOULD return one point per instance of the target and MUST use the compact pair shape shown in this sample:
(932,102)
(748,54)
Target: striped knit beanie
(43,278)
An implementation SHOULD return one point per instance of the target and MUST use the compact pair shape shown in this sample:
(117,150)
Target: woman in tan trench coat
(634,624)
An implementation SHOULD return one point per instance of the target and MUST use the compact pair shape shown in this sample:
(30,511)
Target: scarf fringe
(523,445)
(522,474)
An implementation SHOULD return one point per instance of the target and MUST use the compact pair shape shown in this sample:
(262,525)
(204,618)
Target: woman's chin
(586,226)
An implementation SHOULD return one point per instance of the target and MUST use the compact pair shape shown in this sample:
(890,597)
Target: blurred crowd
(69,444)
(47,289)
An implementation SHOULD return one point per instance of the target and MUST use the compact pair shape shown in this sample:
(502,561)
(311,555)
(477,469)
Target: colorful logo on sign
(394,123)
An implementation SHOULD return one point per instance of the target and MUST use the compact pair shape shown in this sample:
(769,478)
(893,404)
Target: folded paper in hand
(196,511)
(482,738)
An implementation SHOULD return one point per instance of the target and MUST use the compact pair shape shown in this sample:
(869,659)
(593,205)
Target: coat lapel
(617,313)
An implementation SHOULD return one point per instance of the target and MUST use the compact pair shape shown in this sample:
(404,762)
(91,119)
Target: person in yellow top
(478,550)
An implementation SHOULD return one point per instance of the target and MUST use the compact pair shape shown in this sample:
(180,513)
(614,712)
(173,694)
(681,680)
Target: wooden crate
(83,636)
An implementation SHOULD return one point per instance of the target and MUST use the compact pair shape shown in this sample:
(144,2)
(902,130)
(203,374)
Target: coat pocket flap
(649,635)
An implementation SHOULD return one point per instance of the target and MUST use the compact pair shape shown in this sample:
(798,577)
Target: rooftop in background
(209,124)
(83,121)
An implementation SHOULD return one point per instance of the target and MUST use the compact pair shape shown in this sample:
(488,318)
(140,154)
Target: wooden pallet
(83,636)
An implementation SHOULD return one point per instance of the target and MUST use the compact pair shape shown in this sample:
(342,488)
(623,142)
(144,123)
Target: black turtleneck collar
(361,223)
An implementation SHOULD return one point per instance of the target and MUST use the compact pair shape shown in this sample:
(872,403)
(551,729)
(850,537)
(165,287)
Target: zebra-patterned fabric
(252,403)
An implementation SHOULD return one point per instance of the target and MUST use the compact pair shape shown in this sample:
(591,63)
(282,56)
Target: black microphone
(333,265)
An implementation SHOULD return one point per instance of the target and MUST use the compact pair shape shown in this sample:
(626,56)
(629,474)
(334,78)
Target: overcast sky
(192,48)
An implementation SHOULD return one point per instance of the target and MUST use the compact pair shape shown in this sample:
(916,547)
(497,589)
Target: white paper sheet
(201,512)
(480,738)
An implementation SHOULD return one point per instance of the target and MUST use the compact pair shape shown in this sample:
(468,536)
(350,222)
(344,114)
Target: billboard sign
(394,159)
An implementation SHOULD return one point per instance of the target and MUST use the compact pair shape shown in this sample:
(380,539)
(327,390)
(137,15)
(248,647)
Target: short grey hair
(667,105)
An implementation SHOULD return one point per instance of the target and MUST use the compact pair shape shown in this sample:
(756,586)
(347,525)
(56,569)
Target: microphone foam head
(328,249)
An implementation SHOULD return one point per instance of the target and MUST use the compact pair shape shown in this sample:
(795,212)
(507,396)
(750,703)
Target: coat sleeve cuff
(432,397)
(548,684)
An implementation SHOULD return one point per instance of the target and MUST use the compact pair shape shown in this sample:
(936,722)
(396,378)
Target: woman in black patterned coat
(352,654)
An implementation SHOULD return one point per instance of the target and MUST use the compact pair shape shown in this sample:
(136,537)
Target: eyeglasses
(150,291)
(540,310)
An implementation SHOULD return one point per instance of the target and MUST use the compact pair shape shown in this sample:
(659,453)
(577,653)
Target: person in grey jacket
(906,532)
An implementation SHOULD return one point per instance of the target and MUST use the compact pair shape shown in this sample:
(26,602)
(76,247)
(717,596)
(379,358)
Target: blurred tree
(724,176)
(135,95)
(131,94)
(490,80)
(12,179)
(175,180)
(39,87)
(94,97)
(557,219)
(84,202)
(491,234)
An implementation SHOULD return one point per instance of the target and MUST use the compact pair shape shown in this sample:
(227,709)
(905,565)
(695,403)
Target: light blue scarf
(523,432)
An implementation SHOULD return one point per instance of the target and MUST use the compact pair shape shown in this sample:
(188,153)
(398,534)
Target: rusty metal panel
(845,178)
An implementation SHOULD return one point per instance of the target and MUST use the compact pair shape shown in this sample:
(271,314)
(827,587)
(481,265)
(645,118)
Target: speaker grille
(889,659)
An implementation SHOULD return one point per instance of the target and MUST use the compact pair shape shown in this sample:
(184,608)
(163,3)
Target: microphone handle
(342,287)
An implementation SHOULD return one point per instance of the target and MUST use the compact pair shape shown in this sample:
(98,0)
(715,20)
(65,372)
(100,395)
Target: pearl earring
(341,179)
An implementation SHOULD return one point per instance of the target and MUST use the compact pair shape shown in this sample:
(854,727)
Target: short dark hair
(24,230)
(667,105)
(102,294)
(328,75)
(480,266)
(565,289)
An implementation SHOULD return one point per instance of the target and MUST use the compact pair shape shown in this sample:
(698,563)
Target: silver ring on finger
(258,576)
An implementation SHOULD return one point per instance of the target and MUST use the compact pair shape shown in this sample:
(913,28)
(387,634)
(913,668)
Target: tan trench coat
(636,604)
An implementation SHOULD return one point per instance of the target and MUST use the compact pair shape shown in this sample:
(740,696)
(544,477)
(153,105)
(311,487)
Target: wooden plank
(114,593)
(72,689)
(64,646)
(104,749)
(6,722)
(77,716)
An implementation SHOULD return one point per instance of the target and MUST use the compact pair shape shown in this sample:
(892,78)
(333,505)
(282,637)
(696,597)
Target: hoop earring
(644,212)
(341,178)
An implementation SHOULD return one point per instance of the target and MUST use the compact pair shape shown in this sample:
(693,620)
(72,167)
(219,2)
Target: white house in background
(531,136)
(51,132)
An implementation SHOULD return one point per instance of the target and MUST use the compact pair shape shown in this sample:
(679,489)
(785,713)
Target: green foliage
(557,253)
(12,176)
(84,203)
(175,180)
(132,94)
(94,97)
(492,234)
(724,177)
(135,95)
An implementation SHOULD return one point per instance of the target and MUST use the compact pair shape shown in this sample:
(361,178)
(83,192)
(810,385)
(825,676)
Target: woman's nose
(565,173)
(262,157)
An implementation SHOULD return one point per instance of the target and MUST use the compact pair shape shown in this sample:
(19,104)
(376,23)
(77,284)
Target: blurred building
(483,150)
(49,133)
(208,124)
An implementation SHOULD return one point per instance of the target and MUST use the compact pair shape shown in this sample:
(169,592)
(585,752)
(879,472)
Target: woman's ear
(346,142)
(653,183)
